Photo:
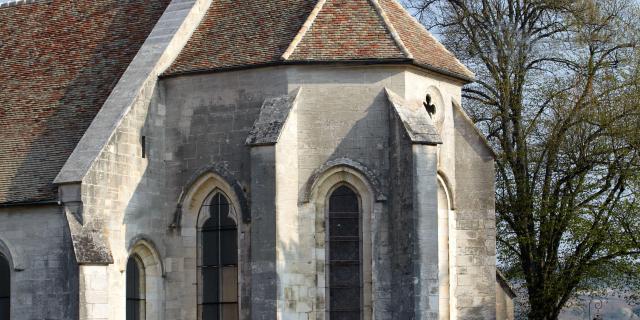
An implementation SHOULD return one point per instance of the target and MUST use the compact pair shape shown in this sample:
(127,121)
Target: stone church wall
(44,272)
(505,308)
(199,123)
(208,120)
(342,113)
(475,226)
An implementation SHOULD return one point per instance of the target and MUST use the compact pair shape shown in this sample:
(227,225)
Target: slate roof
(246,33)
(59,61)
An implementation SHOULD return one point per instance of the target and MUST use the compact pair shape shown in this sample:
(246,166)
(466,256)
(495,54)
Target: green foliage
(558,94)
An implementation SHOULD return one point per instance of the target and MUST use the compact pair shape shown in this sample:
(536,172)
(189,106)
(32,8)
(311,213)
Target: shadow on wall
(358,133)
(361,133)
(204,129)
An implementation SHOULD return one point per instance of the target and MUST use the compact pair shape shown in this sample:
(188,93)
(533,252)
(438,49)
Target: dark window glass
(345,284)
(219,268)
(135,290)
(5,288)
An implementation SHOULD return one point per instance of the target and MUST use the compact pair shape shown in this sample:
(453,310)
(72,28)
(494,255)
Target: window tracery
(219,261)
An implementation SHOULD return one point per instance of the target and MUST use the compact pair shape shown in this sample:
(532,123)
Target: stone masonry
(276,139)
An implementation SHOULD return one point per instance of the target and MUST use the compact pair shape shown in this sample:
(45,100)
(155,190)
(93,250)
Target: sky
(613,309)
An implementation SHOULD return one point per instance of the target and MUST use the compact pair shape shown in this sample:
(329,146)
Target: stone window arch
(144,281)
(193,215)
(218,258)
(344,181)
(136,289)
(5,287)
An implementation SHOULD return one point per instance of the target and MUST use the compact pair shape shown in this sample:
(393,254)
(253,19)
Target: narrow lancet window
(5,288)
(135,289)
(345,256)
(219,268)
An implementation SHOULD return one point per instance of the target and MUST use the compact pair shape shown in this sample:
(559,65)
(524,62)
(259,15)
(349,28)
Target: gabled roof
(59,61)
(248,33)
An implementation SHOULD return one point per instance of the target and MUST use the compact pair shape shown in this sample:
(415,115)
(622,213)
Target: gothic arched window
(135,289)
(345,256)
(219,263)
(5,288)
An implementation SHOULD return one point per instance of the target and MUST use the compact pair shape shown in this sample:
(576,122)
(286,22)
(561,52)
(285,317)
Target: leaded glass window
(135,289)
(5,288)
(219,265)
(345,257)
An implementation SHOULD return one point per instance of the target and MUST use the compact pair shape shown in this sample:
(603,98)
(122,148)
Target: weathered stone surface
(380,193)
(44,279)
(415,119)
(504,298)
(475,227)
(427,258)
(425,191)
(220,169)
(273,114)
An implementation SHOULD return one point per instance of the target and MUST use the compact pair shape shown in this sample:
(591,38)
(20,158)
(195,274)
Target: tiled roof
(59,60)
(424,48)
(237,33)
(245,33)
(347,30)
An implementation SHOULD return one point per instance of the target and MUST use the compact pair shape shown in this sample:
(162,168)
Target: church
(239,159)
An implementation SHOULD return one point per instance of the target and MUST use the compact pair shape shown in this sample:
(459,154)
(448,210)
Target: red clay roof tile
(59,60)
(347,30)
(237,33)
(245,33)
(426,50)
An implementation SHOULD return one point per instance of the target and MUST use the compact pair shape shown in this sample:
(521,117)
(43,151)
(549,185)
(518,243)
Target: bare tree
(557,93)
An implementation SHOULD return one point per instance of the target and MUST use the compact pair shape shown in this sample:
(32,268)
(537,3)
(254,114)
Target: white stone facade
(427,207)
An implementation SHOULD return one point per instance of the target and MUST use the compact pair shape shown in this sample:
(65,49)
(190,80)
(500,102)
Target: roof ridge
(392,30)
(424,29)
(303,30)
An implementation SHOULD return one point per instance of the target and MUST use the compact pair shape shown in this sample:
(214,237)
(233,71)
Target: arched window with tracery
(345,255)
(136,302)
(219,261)
(5,288)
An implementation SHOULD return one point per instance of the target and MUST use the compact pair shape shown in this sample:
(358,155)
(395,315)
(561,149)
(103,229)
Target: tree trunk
(543,307)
